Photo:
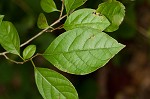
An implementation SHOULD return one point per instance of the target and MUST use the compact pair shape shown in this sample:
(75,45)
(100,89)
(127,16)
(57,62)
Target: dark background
(126,76)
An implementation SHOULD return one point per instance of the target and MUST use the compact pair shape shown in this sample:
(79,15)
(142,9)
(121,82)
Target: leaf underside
(73,4)
(86,18)
(9,38)
(48,6)
(53,85)
(42,21)
(82,50)
(114,11)
(29,51)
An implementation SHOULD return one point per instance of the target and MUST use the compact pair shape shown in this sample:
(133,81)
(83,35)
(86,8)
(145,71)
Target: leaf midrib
(11,39)
(49,83)
(56,53)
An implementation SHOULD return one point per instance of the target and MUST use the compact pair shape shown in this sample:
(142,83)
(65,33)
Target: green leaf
(114,11)
(42,22)
(29,51)
(82,50)
(48,6)
(87,18)
(73,4)
(1,18)
(9,38)
(53,85)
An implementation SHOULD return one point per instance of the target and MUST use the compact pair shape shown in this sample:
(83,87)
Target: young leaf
(29,51)
(73,4)
(48,6)
(87,18)
(1,18)
(114,11)
(9,38)
(82,50)
(42,22)
(53,85)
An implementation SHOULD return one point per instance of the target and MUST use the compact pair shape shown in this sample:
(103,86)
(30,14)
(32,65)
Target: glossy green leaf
(29,51)
(86,18)
(1,18)
(114,11)
(53,85)
(82,50)
(42,22)
(48,6)
(9,38)
(73,4)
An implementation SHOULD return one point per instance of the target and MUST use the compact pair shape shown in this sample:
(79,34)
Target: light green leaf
(73,4)
(9,38)
(87,18)
(114,11)
(29,51)
(1,18)
(53,85)
(48,6)
(42,22)
(82,50)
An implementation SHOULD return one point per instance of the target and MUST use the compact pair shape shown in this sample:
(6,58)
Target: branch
(40,33)
(12,60)
(4,54)
(31,39)
(62,9)
(57,28)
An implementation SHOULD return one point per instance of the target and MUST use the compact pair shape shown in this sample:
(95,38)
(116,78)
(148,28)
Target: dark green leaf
(114,11)
(42,22)
(48,6)
(82,50)
(53,85)
(9,38)
(87,18)
(73,4)
(29,51)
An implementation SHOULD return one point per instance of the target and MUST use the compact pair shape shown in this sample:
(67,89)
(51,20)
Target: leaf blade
(53,85)
(42,22)
(29,51)
(116,13)
(86,18)
(73,4)
(1,18)
(9,38)
(48,6)
(82,50)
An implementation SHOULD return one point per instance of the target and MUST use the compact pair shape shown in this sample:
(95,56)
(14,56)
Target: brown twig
(22,61)
(62,9)
(57,28)
(40,33)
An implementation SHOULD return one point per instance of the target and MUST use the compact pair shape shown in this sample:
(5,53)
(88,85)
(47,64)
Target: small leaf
(29,51)
(48,6)
(87,18)
(114,11)
(73,4)
(82,50)
(42,22)
(9,38)
(53,85)
(1,18)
